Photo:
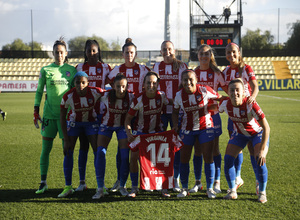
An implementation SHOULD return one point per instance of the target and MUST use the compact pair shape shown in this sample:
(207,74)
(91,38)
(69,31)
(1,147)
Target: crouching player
(81,118)
(250,124)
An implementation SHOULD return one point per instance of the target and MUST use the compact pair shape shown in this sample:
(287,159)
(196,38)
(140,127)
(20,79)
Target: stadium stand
(263,67)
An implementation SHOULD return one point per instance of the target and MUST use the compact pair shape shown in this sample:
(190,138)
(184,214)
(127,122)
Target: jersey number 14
(162,155)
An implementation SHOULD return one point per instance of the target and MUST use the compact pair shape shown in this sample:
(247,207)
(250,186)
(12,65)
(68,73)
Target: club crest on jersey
(210,75)
(136,72)
(68,74)
(158,102)
(237,75)
(90,101)
(243,112)
(199,98)
(125,104)
(99,70)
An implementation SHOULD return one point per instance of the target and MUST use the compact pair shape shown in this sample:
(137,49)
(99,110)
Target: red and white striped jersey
(115,114)
(97,74)
(169,80)
(82,108)
(194,106)
(148,112)
(245,117)
(211,79)
(247,76)
(135,76)
(156,152)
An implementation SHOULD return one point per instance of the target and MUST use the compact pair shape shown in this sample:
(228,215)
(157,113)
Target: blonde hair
(212,63)
(176,63)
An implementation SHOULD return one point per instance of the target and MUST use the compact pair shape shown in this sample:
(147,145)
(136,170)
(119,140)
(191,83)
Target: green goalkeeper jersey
(58,81)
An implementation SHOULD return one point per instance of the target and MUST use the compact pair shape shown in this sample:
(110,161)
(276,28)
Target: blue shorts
(189,137)
(230,125)
(242,140)
(75,128)
(108,131)
(217,124)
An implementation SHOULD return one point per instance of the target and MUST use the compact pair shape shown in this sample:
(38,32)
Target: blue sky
(143,20)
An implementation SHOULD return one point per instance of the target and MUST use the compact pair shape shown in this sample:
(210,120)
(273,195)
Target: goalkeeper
(57,77)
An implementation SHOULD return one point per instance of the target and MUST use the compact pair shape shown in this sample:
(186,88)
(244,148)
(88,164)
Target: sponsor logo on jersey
(155,172)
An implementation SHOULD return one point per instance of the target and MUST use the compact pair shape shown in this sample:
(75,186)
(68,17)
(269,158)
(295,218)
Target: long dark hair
(112,93)
(89,43)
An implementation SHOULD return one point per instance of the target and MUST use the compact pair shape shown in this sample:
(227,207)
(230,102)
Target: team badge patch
(199,98)
(99,70)
(136,72)
(90,101)
(210,75)
(68,74)
(237,75)
(243,112)
(158,102)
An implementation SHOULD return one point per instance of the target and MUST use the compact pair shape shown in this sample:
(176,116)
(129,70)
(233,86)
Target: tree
(115,46)
(20,49)
(254,40)
(293,43)
(77,43)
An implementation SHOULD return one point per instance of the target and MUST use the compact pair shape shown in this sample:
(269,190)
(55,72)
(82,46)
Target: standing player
(135,74)
(208,74)
(117,102)
(250,124)
(97,72)
(82,118)
(57,77)
(238,69)
(147,108)
(170,70)
(197,123)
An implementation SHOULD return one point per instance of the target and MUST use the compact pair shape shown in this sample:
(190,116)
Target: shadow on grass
(50,196)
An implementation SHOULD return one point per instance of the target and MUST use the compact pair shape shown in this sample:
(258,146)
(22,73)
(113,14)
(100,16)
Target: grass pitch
(20,148)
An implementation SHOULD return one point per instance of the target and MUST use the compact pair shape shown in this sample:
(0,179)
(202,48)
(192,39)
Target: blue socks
(262,174)
(229,170)
(82,160)
(218,160)
(100,166)
(118,162)
(176,165)
(134,179)
(209,169)
(197,161)
(124,166)
(68,168)
(184,174)
(238,164)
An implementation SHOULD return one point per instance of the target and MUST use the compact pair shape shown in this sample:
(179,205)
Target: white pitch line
(275,97)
